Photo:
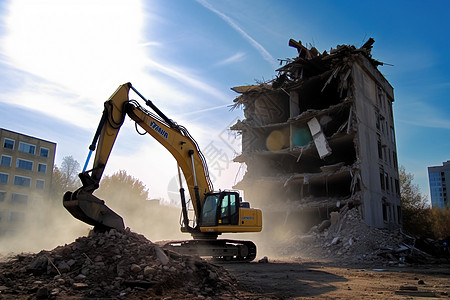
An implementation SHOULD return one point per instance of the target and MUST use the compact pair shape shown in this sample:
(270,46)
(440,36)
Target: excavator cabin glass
(220,209)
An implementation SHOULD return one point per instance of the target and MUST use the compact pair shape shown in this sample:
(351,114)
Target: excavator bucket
(89,209)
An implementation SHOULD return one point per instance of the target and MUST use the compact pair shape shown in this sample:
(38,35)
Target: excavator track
(219,250)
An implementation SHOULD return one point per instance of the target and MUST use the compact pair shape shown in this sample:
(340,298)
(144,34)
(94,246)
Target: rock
(265,260)
(80,276)
(63,267)
(334,217)
(324,225)
(148,270)
(161,255)
(39,265)
(135,268)
(42,293)
(335,241)
(79,285)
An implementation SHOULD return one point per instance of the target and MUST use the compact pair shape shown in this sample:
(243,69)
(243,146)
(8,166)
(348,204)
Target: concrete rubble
(113,265)
(346,239)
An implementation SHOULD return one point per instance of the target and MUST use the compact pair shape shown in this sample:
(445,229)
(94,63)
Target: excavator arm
(83,205)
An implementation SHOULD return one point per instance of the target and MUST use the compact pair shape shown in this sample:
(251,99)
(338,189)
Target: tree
(123,192)
(416,214)
(70,169)
(409,191)
(65,178)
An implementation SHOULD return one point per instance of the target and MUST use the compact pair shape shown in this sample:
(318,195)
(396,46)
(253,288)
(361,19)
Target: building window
(8,144)
(385,210)
(382,179)
(27,148)
(16,216)
(380,148)
(4,178)
(24,164)
(394,157)
(390,157)
(42,168)
(377,120)
(19,198)
(43,152)
(386,177)
(392,184)
(392,135)
(380,98)
(397,187)
(6,161)
(40,184)
(2,196)
(22,181)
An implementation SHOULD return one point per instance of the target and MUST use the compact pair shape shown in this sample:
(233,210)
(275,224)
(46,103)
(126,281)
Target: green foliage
(440,222)
(416,215)
(418,218)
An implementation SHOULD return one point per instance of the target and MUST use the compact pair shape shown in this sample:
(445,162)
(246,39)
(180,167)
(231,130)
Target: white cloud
(421,114)
(232,59)
(264,53)
(80,45)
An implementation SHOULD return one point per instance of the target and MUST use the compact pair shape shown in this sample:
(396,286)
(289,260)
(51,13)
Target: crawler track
(220,250)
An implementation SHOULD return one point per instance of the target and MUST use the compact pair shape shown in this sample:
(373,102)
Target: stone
(264,260)
(42,293)
(161,255)
(335,241)
(148,270)
(79,285)
(135,268)
(334,217)
(324,225)
(63,267)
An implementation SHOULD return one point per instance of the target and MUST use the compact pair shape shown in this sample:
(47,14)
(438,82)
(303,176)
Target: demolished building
(320,136)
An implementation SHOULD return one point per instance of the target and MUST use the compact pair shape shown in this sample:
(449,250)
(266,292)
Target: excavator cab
(220,209)
(225,212)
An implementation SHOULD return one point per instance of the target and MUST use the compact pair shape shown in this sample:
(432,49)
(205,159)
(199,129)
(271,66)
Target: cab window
(228,209)
(209,211)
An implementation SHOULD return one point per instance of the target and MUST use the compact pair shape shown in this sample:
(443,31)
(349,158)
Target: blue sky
(60,60)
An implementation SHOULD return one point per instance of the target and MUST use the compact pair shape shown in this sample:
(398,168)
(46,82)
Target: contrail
(264,53)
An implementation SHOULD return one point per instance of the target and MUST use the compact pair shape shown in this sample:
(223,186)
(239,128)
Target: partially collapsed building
(320,136)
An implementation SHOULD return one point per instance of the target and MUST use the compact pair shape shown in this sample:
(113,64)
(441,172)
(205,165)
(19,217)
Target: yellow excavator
(215,212)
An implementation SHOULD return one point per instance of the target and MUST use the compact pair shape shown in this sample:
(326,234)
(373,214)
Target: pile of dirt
(346,239)
(113,265)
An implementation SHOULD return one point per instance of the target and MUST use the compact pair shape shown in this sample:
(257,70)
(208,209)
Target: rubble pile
(345,238)
(112,264)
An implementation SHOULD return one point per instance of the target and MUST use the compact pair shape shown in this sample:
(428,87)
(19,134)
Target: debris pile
(345,238)
(110,265)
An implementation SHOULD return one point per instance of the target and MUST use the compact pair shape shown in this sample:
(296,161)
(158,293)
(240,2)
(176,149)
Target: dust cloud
(47,224)
(281,222)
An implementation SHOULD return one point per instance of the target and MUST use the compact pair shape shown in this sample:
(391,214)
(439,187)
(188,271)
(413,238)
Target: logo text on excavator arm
(159,129)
